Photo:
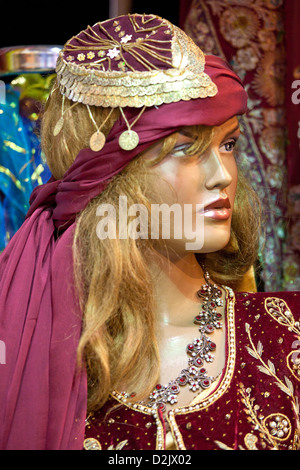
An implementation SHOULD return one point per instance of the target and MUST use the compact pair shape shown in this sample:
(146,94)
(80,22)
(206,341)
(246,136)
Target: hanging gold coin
(58,126)
(128,140)
(97,141)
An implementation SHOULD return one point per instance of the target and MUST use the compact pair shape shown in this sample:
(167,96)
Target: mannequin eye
(228,146)
(181,150)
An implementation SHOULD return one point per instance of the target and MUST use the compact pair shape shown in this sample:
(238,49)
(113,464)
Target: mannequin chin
(195,182)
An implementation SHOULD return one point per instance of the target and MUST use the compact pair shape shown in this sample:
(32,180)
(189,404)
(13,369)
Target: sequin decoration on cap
(134,61)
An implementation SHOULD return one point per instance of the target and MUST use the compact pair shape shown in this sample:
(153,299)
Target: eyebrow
(237,128)
(186,133)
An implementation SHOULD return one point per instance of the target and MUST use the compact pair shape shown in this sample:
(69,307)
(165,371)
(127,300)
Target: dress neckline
(200,402)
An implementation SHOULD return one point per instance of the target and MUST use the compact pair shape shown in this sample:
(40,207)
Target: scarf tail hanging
(40,333)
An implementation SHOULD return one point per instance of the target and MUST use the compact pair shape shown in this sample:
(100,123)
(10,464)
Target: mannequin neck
(176,283)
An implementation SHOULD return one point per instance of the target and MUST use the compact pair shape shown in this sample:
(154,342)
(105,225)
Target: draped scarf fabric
(43,394)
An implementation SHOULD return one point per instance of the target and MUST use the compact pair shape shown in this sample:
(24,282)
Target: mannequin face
(199,180)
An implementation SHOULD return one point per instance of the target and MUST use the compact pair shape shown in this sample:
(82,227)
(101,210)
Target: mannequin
(149,341)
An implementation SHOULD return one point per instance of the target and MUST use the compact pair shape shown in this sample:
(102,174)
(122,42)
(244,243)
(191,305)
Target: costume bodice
(254,405)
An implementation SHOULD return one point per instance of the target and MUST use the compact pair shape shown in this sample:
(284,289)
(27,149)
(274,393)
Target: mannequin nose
(217,174)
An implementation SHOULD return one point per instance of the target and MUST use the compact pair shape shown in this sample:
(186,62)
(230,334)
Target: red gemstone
(206,382)
(213,346)
(190,347)
(203,290)
(158,387)
(202,370)
(219,315)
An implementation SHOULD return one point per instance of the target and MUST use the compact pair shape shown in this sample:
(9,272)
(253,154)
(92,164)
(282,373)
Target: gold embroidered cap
(133,60)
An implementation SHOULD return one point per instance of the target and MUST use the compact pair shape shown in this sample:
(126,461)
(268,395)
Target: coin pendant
(128,140)
(58,126)
(97,141)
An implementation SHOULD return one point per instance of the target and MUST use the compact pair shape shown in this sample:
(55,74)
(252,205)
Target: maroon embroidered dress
(254,405)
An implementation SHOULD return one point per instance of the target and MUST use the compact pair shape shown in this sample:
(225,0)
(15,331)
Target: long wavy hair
(112,276)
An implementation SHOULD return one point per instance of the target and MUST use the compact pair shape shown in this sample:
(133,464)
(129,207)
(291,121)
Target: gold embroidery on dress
(293,363)
(93,444)
(250,441)
(280,426)
(280,311)
(272,428)
(120,397)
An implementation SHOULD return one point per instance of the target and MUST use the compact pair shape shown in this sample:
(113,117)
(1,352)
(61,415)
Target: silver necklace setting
(199,351)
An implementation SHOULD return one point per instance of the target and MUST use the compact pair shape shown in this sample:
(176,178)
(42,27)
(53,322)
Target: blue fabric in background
(21,165)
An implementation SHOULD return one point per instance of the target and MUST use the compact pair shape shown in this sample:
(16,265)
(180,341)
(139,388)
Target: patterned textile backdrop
(252,36)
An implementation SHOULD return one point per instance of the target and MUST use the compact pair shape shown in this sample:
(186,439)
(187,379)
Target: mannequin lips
(219,209)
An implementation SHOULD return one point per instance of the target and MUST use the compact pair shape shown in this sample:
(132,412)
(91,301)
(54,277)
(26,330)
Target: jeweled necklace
(199,351)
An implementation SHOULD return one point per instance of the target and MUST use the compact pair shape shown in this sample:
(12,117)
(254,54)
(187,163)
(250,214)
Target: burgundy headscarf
(43,395)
